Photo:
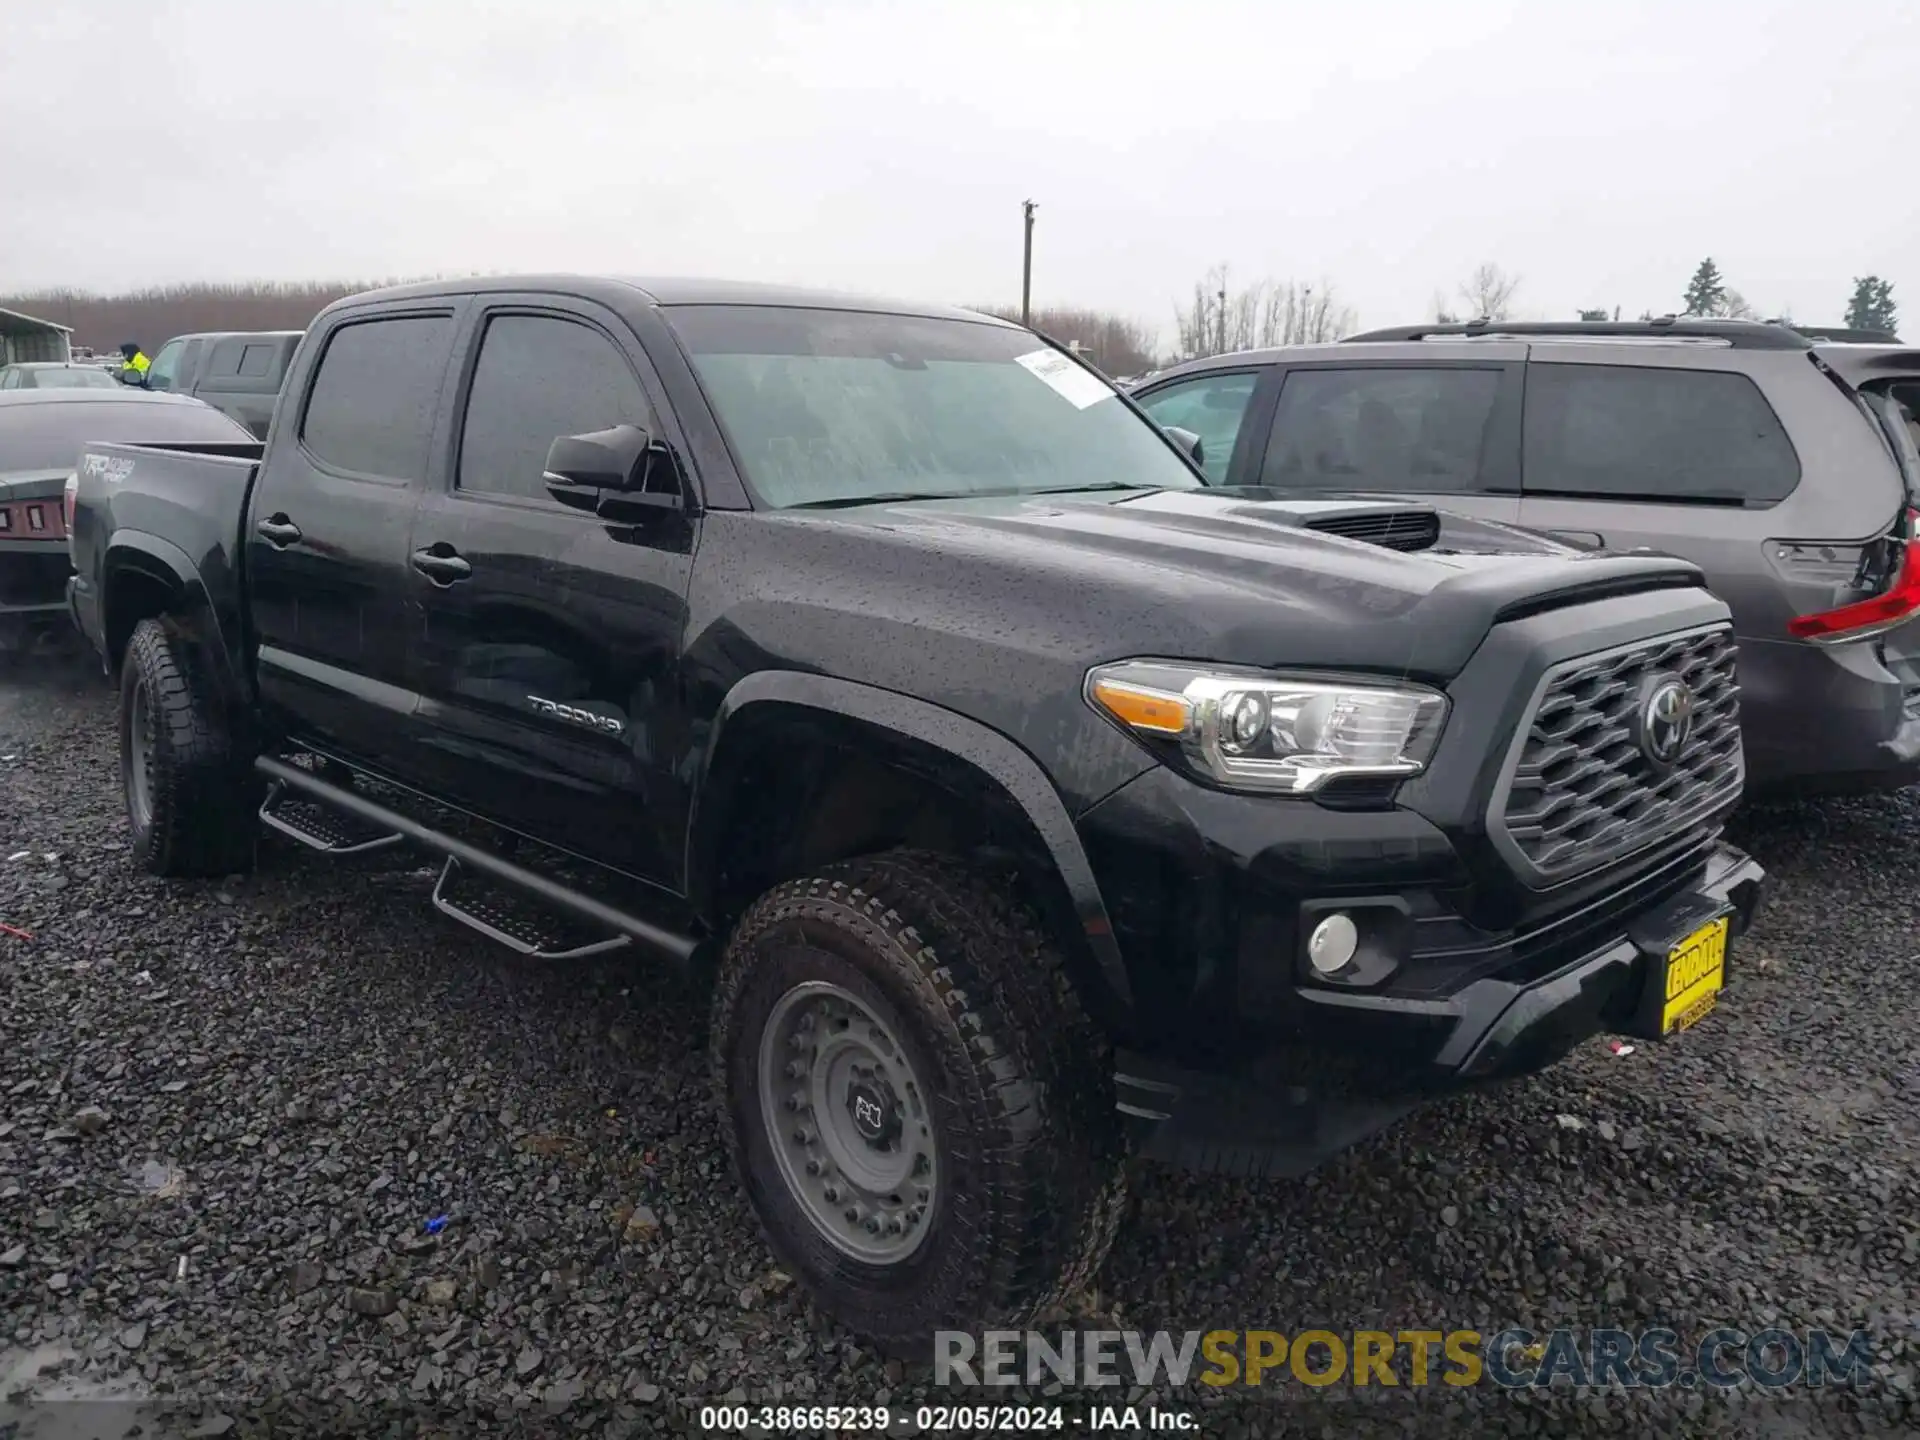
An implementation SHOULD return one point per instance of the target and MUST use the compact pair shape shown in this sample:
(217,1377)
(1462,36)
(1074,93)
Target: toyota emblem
(1665,720)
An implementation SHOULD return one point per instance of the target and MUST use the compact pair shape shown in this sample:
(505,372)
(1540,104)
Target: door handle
(278,531)
(441,564)
(1586,538)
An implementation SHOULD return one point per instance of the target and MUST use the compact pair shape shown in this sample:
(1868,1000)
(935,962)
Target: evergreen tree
(1872,306)
(1706,292)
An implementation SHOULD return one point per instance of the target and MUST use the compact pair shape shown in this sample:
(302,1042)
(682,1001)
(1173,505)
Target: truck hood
(1239,575)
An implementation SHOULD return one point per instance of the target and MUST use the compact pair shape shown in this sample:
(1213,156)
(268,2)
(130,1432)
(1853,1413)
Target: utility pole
(1027,208)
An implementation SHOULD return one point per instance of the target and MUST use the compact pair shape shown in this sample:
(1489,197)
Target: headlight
(1250,731)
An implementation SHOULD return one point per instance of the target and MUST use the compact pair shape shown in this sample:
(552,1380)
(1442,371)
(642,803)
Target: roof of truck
(669,290)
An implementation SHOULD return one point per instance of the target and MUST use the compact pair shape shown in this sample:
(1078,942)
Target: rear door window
(224,362)
(256,361)
(1403,428)
(1212,407)
(1629,432)
(371,409)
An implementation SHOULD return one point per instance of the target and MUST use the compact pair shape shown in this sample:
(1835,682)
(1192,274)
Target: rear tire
(188,793)
(987,1088)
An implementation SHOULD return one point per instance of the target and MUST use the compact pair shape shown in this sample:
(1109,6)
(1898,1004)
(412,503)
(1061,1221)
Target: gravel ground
(229,1108)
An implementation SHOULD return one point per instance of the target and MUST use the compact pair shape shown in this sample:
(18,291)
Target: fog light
(1330,948)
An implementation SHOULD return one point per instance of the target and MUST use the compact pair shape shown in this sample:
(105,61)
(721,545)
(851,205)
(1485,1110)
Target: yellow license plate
(1696,972)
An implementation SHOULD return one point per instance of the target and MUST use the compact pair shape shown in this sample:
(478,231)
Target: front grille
(1584,792)
(1395,529)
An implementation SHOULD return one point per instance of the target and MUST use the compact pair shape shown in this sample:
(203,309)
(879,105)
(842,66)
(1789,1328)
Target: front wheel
(917,1104)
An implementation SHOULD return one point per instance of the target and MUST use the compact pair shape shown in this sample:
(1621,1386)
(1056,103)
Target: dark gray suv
(1785,468)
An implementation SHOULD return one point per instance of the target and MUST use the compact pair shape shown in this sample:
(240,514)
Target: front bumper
(1375,1058)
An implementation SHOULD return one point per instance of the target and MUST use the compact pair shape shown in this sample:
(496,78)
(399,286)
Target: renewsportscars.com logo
(1514,1358)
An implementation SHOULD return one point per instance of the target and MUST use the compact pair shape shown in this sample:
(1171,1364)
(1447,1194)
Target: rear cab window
(1653,434)
(1402,428)
(371,408)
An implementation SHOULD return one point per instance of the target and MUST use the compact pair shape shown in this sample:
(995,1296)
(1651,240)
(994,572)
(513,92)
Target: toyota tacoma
(1023,799)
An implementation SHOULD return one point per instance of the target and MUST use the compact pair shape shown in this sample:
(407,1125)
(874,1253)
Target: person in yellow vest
(134,372)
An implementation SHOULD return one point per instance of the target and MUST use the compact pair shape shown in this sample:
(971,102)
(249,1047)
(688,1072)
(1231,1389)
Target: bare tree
(1488,293)
(1117,345)
(1733,306)
(1266,313)
(151,317)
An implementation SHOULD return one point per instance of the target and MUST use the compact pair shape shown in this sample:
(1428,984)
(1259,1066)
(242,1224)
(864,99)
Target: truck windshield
(835,407)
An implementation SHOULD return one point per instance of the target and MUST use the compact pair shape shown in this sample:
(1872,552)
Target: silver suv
(1785,468)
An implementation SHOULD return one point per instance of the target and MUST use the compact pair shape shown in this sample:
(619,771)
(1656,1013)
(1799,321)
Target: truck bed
(129,496)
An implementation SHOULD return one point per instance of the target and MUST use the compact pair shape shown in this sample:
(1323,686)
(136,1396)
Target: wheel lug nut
(813,1167)
(853,1215)
(832,1193)
(795,1070)
(873,1227)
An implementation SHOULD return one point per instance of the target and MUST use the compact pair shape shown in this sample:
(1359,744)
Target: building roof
(12,322)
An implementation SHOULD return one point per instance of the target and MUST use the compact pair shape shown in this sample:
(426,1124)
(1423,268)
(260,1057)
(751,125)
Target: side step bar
(506,925)
(380,820)
(313,824)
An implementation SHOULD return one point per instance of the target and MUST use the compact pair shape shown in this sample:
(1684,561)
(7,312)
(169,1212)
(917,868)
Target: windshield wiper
(885,497)
(998,492)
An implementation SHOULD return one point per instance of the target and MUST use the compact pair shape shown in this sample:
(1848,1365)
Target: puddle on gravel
(157,1179)
(43,1397)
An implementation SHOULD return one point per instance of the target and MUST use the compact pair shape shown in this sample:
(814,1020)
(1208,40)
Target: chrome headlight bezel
(1269,732)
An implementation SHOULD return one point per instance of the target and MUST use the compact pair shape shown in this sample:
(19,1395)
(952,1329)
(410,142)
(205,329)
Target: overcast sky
(1598,148)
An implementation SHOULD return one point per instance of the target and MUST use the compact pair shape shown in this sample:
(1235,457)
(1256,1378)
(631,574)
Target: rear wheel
(188,793)
(918,1106)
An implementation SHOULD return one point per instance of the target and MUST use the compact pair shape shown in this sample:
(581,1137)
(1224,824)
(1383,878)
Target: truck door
(550,637)
(327,547)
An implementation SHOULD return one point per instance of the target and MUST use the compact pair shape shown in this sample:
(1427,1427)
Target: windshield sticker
(1076,384)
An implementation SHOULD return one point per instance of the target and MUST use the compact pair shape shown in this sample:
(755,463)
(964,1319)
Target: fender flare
(978,746)
(165,561)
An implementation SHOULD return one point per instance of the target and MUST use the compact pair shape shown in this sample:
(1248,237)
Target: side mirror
(133,378)
(620,473)
(1189,442)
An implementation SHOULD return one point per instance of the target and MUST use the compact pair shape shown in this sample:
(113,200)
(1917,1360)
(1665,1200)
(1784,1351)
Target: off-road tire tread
(1041,1070)
(203,821)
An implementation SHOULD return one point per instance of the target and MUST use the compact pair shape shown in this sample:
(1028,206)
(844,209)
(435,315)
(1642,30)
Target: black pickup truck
(1022,798)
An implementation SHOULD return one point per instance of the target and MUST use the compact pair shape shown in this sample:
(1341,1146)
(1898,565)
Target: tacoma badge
(575,716)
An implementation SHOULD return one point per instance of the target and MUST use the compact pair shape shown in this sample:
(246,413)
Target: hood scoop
(1394,528)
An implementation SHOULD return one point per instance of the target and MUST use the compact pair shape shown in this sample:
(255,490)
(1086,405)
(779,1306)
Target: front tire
(918,1107)
(188,795)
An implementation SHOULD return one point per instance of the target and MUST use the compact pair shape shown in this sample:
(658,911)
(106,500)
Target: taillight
(67,497)
(1892,607)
